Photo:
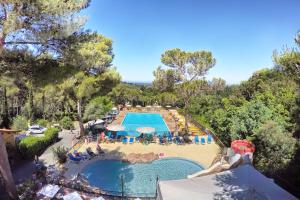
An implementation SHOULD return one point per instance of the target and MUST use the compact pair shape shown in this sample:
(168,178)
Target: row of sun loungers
(169,139)
(77,157)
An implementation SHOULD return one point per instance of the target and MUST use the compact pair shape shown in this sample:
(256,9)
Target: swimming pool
(132,121)
(139,179)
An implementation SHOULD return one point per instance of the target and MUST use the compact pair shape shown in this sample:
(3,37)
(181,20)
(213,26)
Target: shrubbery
(31,146)
(97,108)
(42,122)
(66,123)
(60,154)
(20,123)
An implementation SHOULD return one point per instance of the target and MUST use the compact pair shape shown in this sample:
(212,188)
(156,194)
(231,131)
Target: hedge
(66,123)
(31,146)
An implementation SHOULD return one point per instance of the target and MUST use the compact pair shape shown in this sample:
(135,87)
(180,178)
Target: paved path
(66,141)
(24,170)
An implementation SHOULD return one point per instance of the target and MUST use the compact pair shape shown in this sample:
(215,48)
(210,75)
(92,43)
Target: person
(99,149)
(102,137)
(37,163)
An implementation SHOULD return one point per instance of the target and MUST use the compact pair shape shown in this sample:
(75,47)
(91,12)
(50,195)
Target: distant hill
(138,83)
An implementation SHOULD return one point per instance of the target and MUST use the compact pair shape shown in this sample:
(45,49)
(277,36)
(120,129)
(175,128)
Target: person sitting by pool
(79,155)
(102,137)
(90,152)
(99,149)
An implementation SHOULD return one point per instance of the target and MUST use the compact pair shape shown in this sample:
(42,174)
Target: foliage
(275,149)
(60,154)
(188,68)
(164,80)
(66,123)
(42,122)
(42,24)
(20,123)
(97,108)
(31,145)
(26,190)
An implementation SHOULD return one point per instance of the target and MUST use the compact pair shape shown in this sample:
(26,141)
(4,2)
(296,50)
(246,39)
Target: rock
(141,158)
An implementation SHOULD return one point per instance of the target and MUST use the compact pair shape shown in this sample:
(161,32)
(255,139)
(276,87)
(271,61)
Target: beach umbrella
(98,198)
(128,105)
(99,121)
(72,196)
(114,108)
(146,130)
(148,106)
(133,134)
(121,133)
(168,106)
(115,127)
(138,106)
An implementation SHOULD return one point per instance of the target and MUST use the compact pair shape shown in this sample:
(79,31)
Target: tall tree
(42,25)
(191,68)
(164,80)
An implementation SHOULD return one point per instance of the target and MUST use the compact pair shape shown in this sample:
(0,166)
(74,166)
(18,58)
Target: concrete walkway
(24,170)
(66,141)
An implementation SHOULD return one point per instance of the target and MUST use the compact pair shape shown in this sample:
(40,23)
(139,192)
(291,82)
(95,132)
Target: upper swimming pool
(132,121)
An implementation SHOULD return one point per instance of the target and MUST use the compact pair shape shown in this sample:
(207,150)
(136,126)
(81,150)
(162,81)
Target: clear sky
(242,34)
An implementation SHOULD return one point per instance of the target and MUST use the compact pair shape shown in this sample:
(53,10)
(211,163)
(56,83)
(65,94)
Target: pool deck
(202,154)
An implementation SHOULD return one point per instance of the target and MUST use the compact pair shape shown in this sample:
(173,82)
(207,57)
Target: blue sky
(242,34)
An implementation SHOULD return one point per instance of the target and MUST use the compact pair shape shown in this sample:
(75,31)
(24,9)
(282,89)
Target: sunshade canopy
(115,127)
(146,130)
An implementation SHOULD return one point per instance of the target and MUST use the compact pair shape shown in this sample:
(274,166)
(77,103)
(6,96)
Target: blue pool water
(132,121)
(139,179)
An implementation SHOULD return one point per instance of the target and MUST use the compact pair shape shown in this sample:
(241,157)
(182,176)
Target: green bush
(20,123)
(31,146)
(60,154)
(42,122)
(66,123)
(97,108)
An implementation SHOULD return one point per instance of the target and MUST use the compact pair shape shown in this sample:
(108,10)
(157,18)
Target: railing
(196,123)
(122,193)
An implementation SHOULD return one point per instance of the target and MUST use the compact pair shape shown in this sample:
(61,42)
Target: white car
(36,129)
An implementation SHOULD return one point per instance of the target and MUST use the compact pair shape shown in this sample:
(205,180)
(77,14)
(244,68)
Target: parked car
(36,129)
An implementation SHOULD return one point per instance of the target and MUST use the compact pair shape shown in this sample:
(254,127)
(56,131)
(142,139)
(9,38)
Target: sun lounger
(125,140)
(161,140)
(131,140)
(73,158)
(90,152)
(209,138)
(196,139)
(178,140)
(202,140)
(170,138)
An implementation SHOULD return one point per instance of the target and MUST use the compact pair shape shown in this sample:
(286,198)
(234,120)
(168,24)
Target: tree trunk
(43,105)
(30,98)
(186,124)
(5,109)
(79,116)
(6,171)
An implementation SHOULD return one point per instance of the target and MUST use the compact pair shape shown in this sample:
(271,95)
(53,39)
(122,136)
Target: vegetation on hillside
(52,70)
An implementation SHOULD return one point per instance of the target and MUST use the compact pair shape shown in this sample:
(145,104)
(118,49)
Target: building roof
(244,182)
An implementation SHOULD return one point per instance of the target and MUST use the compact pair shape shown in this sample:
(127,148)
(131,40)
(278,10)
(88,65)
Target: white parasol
(115,127)
(146,130)
(72,196)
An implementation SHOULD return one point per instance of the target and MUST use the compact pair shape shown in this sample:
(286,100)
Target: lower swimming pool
(132,121)
(139,179)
